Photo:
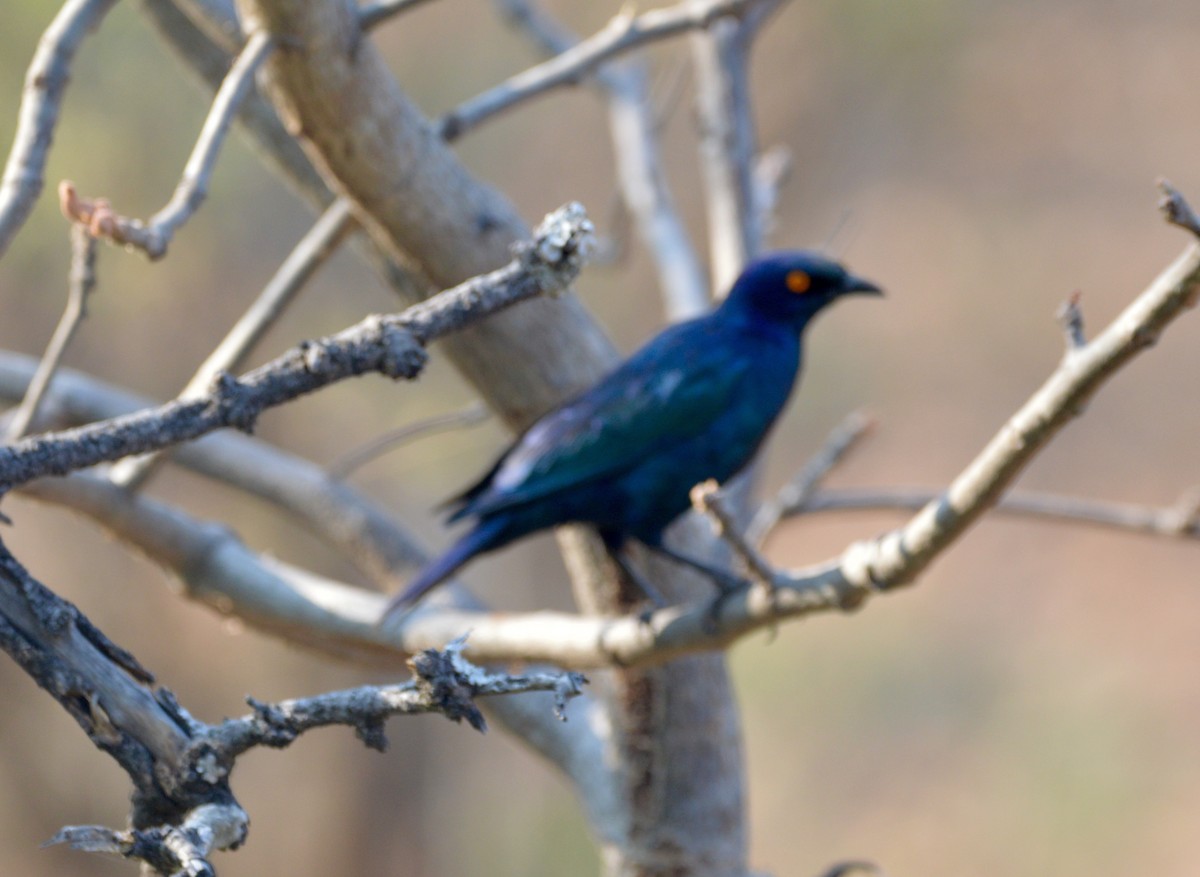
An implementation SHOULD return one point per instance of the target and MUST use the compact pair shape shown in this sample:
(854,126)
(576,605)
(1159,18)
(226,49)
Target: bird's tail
(483,537)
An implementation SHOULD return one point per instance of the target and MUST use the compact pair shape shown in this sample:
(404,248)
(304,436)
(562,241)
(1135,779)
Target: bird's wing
(667,393)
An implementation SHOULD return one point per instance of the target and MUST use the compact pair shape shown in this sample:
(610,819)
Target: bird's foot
(728,586)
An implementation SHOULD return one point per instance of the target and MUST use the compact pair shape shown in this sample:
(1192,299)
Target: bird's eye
(798,281)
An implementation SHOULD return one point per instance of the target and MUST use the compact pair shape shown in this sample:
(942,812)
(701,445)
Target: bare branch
(1176,521)
(207,39)
(797,491)
(355,459)
(373,14)
(361,530)
(216,19)
(727,147)
(104,689)
(639,165)
(392,345)
(771,172)
(181,849)
(45,83)
(154,237)
(313,250)
(623,33)
(708,500)
(1176,209)
(82,281)
(443,682)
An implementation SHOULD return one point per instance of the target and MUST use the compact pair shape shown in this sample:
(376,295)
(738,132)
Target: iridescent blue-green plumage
(695,403)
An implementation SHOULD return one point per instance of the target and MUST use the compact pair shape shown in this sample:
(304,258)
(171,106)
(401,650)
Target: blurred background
(1030,707)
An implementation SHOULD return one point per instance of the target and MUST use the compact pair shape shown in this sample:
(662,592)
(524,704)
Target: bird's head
(792,286)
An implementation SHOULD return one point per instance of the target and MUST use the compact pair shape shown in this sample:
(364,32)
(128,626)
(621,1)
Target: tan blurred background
(1031,707)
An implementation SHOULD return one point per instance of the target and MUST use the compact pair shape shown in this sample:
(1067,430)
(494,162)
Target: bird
(694,403)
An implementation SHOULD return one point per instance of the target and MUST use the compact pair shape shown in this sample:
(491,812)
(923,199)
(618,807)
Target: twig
(168,849)
(360,529)
(444,681)
(727,147)
(82,281)
(623,33)
(392,345)
(644,189)
(1176,209)
(355,459)
(313,250)
(207,39)
(372,14)
(707,499)
(154,237)
(771,172)
(796,492)
(1175,521)
(639,165)
(45,83)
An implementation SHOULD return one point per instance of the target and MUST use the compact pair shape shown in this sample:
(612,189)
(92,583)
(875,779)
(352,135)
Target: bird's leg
(616,550)
(727,583)
(629,571)
(722,578)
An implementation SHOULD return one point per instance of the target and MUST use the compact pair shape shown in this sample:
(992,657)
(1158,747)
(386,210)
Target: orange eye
(798,281)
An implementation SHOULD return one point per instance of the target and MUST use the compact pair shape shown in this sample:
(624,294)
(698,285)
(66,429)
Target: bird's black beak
(861,286)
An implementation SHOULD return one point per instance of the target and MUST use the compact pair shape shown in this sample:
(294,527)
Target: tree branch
(640,173)
(796,492)
(358,457)
(371,15)
(1176,521)
(154,237)
(361,530)
(207,41)
(82,282)
(314,249)
(392,345)
(623,33)
(728,147)
(443,682)
(45,83)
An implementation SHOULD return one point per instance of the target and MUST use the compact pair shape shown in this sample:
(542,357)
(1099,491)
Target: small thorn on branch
(1070,316)
(1176,209)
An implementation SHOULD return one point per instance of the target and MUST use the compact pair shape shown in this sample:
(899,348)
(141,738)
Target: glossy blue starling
(694,403)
